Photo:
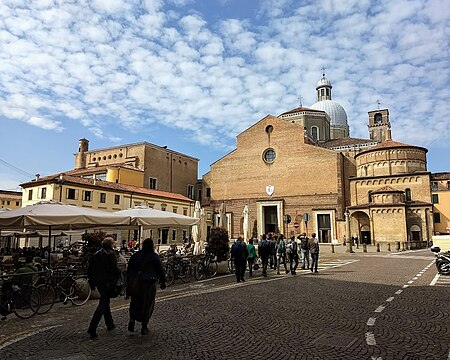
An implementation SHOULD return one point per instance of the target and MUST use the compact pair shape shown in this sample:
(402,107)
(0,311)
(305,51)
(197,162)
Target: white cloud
(118,66)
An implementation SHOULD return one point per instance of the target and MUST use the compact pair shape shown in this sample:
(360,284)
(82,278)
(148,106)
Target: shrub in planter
(218,243)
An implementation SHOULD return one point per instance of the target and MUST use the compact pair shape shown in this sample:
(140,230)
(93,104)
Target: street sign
(296,225)
(306,217)
(287,219)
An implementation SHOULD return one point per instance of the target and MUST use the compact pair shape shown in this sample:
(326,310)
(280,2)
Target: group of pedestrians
(144,271)
(275,251)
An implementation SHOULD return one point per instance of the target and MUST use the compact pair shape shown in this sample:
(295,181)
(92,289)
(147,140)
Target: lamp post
(347,232)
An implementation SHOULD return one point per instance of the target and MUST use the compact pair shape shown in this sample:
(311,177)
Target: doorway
(365,237)
(270,219)
(324,227)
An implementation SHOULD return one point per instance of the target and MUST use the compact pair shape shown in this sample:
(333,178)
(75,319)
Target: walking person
(144,270)
(291,251)
(281,253)
(251,256)
(304,249)
(103,274)
(239,254)
(264,253)
(314,250)
(273,251)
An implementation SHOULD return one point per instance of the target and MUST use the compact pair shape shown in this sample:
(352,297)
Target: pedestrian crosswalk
(441,280)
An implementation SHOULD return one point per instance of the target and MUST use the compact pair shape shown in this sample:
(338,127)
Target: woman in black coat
(144,270)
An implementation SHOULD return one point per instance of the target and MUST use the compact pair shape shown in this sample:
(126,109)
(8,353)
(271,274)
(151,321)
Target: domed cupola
(338,125)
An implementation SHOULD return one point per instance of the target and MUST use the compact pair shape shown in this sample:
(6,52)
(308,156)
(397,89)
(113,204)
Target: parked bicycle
(206,267)
(178,267)
(65,282)
(19,298)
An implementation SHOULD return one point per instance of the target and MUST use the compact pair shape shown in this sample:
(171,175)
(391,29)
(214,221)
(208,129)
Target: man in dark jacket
(103,274)
(264,253)
(239,254)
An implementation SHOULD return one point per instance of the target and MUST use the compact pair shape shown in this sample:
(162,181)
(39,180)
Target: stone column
(347,232)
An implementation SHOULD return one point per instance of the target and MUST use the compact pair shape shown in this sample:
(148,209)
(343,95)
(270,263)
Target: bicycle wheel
(80,291)
(186,273)
(26,302)
(170,276)
(212,270)
(47,294)
(199,271)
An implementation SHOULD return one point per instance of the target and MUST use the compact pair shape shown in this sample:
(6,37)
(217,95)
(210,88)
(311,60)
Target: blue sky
(193,74)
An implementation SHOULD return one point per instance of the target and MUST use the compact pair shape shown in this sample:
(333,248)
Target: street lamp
(347,232)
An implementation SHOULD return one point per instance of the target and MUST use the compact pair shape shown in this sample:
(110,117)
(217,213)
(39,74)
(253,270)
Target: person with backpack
(291,251)
(251,256)
(304,249)
(239,254)
(264,253)
(314,250)
(281,254)
(103,273)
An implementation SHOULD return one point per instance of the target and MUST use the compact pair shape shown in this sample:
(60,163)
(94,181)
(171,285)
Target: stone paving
(359,306)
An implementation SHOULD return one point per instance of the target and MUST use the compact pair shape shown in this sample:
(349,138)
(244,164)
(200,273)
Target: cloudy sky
(193,74)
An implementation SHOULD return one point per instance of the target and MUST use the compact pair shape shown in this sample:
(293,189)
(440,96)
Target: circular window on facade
(269,155)
(269,129)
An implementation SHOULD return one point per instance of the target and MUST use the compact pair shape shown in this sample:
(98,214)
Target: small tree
(93,241)
(218,243)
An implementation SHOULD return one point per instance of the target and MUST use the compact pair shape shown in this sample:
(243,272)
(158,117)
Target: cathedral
(302,172)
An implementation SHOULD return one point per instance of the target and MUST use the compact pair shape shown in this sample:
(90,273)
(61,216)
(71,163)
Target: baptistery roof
(334,110)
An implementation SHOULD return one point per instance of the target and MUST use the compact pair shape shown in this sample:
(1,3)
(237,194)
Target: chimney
(37,177)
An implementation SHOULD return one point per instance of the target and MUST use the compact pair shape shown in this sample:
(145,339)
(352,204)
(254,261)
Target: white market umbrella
(54,215)
(145,216)
(203,229)
(245,223)
(222,216)
(59,216)
(195,233)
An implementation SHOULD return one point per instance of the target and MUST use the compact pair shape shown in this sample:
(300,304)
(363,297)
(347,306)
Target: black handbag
(114,289)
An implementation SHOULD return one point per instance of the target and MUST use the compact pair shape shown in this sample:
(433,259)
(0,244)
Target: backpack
(289,248)
(264,248)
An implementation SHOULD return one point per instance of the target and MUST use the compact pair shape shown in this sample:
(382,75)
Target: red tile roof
(440,176)
(70,179)
(346,141)
(301,108)
(390,144)
(11,196)
(96,169)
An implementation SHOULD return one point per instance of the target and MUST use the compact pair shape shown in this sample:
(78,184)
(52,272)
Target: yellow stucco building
(440,189)
(10,199)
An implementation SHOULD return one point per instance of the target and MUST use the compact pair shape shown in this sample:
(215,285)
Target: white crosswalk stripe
(441,280)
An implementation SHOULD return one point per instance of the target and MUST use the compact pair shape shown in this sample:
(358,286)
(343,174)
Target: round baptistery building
(391,158)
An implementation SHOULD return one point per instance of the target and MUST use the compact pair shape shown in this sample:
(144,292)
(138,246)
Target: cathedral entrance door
(365,237)
(270,219)
(324,227)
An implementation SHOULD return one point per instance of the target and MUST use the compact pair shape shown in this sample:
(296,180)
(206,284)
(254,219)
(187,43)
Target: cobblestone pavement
(359,306)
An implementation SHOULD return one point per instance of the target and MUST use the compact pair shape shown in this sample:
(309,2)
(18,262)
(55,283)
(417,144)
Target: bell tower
(379,125)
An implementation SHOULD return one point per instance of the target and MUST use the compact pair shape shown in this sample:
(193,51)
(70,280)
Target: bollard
(378,247)
(397,243)
(389,246)
(332,248)
(364,248)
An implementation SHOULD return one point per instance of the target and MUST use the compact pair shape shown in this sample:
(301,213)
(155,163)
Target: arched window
(378,118)
(369,196)
(315,132)
(407,194)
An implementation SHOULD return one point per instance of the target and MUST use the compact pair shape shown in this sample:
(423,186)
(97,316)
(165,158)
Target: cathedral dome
(334,110)
(323,82)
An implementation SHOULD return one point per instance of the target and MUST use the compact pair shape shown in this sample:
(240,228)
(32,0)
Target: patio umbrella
(222,216)
(195,229)
(245,223)
(203,229)
(145,216)
(54,215)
